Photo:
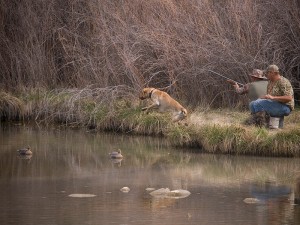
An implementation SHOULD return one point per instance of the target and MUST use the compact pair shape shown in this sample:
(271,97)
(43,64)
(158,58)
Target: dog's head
(146,93)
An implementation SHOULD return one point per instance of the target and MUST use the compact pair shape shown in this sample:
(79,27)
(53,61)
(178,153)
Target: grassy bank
(213,131)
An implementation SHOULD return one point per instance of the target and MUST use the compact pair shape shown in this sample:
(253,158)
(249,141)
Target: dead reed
(77,43)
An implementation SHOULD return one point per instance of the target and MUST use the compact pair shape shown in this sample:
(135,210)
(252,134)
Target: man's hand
(283,99)
(267,97)
(232,82)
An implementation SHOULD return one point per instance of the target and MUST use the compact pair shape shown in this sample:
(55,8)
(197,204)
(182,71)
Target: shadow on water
(70,179)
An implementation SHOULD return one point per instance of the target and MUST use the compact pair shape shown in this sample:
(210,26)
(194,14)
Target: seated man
(279,100)
(256,88)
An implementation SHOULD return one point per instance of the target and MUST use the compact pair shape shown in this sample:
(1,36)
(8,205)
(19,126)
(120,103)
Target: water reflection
(36,190)
(297,190)
(269,190)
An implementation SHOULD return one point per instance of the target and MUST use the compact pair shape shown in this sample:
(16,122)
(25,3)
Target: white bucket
(274,122)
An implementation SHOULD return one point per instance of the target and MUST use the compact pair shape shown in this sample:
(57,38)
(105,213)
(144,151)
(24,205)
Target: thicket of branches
(76,43)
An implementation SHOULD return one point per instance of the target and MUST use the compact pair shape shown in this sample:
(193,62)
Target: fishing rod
(225,77)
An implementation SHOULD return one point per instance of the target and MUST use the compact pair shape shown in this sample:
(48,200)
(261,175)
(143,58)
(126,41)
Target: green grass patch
(182,135)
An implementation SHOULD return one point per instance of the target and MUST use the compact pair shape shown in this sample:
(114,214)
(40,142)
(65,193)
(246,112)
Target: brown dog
(163,102)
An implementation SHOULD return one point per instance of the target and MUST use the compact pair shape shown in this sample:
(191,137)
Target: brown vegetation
(11,108)
(136,43)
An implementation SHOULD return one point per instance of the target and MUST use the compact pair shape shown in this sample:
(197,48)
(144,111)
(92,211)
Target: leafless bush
(136,43)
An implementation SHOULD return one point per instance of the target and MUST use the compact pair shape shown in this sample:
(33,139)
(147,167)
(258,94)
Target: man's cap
(258,74)
(272,68)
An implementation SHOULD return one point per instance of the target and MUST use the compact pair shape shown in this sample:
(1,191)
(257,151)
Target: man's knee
(252,106)
(287,111)
(255,106)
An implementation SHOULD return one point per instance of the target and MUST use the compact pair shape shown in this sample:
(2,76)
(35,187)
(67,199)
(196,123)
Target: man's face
(270,75)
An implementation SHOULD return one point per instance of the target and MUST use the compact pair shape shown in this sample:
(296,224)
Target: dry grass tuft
(11,108)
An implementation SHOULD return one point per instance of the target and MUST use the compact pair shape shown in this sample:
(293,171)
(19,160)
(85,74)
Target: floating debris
(166,193)
(150,189)
(125,189)
(162,192)
(82,195)
(178,194)
(251,200)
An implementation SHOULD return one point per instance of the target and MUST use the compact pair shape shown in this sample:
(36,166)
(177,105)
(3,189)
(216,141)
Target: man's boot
(260,119)
(251,120)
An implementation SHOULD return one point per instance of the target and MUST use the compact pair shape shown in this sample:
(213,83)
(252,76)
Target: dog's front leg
(154,105)
(145,109)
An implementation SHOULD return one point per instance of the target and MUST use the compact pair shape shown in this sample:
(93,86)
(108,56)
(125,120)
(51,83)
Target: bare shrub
(137,43)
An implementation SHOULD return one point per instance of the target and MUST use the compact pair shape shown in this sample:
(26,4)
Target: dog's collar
(150,94)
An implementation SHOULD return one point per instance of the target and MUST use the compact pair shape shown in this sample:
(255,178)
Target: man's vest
(257,89)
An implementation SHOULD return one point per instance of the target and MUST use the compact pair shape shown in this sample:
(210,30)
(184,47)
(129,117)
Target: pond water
(70,179)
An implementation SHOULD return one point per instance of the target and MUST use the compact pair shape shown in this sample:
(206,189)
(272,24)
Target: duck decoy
(25,151)
(116,155)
